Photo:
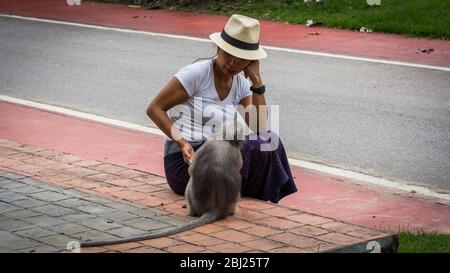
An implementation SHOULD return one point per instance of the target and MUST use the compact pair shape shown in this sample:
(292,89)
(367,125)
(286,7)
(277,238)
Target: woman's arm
(172,94)
(258,100)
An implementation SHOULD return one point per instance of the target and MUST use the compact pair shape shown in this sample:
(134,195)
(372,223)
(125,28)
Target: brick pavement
(49,198)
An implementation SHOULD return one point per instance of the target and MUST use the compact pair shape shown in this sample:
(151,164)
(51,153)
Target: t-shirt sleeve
(189,77)
(245,88)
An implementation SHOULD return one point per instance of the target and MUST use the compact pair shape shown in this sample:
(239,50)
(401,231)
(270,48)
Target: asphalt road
(384,120)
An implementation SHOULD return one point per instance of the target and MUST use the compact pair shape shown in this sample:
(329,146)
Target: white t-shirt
(198,117)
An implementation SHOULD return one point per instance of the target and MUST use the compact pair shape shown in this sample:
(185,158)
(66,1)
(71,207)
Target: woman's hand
(187,150)
(252,71)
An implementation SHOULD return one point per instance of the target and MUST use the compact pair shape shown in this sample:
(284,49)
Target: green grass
(422,18)
(421,242)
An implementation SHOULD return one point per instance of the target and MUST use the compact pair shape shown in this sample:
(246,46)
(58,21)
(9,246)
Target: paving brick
(21,214)
(162,242)
(35,232)
(11,197)
(234,223)
(28,189)
(11,224)
(249,215)
(320,248)
(7,238)
(53,210)
(12,184)
(278,223)
(309,231)
(50,196)
(22,243)
(261,231)
(185,248)
(126,232)
(295,240)
(21,156)
(150,179)
(94,235)
(263,244)
(229,248)
(28,148)
(366,234)
(234,236)
(146,249)
(103,177)
(201,239)
(121,216)
(40,161)
(49,153)
(78,217)
(125,247)
(27,168)
(174,220)
(7,151)
(167,195)
(98,200)
(78,171)
(58,240)
(340,227)
(107,189)
(255,204)
(73,193)
(288,249)
(132,195)
(147,188)
(41,249)
(146,224)
(67,158)
(209,229)
(30,203)
(338,238)
(151,201)
(308,219)
(109,168)
(100,224)
(69,229)
(45,221)
(279,211)
(87,163)
(5,207)
(73,203)
(99,249)
(96,209)
(128,173)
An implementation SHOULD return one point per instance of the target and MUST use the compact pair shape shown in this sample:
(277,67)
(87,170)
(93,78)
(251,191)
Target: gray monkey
(214,187)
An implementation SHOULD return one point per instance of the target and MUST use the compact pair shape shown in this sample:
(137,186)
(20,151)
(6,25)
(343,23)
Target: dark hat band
(237,43)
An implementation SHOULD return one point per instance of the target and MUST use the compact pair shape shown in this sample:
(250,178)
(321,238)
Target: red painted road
(319,193)
(371,45)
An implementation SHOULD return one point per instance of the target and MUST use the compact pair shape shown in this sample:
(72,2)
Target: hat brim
(237,52)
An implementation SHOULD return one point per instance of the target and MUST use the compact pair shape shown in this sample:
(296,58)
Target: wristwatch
(259,90)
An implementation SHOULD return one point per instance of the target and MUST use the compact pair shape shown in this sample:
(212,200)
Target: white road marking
(295,162)
(306,52)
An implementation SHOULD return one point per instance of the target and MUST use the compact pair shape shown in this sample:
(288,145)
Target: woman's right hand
(187,150)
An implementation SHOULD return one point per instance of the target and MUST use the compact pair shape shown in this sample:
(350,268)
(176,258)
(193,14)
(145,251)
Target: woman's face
(229,64)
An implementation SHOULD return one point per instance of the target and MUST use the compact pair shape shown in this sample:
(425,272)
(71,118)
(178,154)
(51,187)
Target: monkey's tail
(206,218)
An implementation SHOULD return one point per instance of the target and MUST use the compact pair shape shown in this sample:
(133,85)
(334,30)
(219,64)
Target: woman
(216,84)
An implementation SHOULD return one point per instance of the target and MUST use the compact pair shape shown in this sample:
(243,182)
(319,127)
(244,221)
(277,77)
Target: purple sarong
(266,175)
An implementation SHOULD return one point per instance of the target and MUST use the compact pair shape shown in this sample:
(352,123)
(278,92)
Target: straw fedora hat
(240,38)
